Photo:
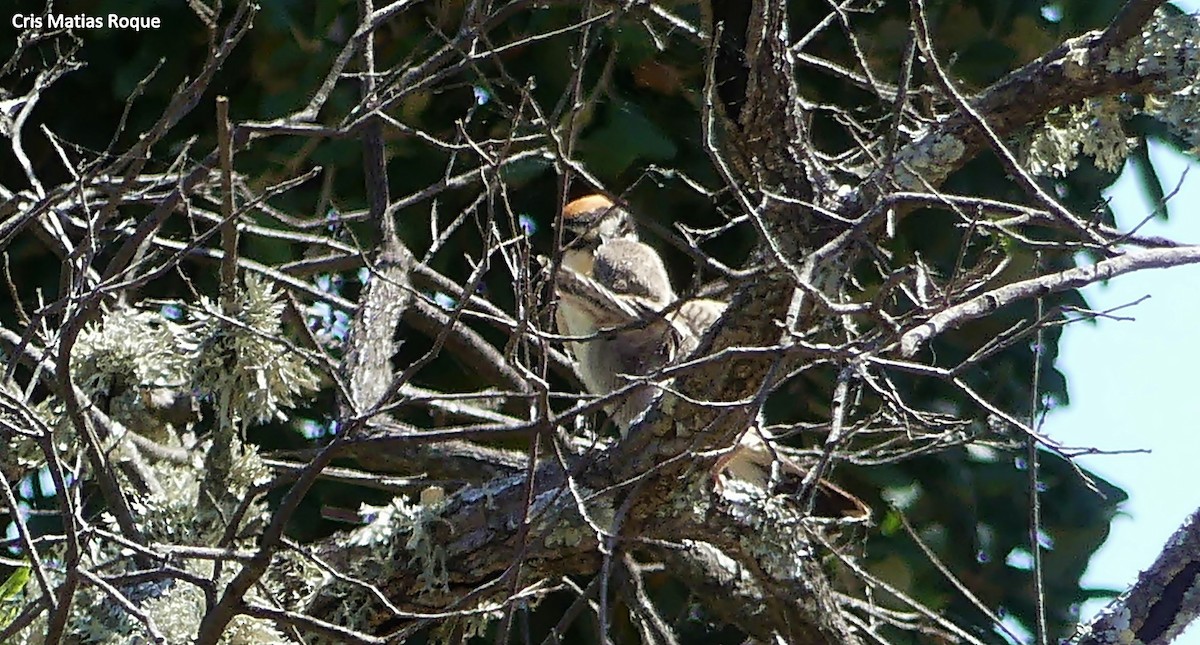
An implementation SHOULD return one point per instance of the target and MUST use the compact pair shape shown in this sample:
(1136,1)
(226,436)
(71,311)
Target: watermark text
(25,21)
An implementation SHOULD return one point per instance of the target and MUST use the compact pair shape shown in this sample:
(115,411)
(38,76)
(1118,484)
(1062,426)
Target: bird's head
(594,220)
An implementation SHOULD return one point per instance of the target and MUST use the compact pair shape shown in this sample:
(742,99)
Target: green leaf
(15,583)
(890,524)
(626,136)
(1139,157)
(9,591)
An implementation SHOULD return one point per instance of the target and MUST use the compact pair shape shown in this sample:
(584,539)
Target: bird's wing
(608,309)
(631,268)
(750,463)
(701,313)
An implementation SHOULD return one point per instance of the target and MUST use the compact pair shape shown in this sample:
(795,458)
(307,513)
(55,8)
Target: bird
(625,321)
(755,465)
(612,292)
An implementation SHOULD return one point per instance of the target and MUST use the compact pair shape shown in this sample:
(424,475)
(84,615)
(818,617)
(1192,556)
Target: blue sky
(1133,384)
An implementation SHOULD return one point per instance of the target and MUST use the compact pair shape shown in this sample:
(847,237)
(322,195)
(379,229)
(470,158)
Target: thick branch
(1164,601)
(987,303)
(1066,75)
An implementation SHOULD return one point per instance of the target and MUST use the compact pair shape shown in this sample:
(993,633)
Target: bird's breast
(580,261)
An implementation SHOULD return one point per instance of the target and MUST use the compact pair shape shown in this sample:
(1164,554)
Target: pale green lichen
(562,531)
(177,611)
(779,529)
(928,162)
(564,535)
(1168,50)
(463,628)
(129,350)
(1110,626)
(776,538)
(122,363)
(135,365)
(293,579)
(21,455)
(1167,47)
(385,536)
(172,606)
(399,536)
(696,500)
(1094,128)
(175,513)
(1171,46)
(245,365)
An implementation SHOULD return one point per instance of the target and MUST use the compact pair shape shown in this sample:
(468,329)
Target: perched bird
(612,290)
(754,465)
(617,305)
